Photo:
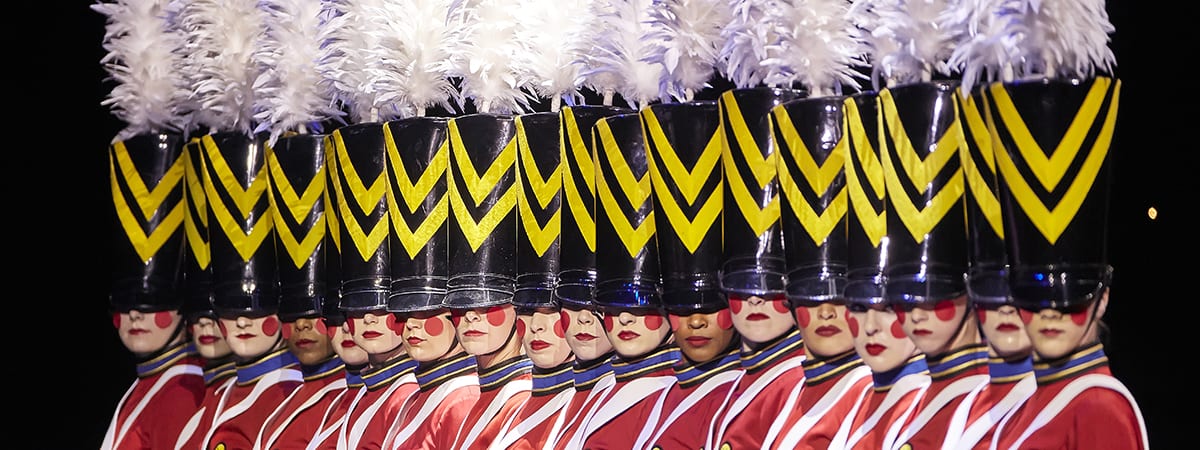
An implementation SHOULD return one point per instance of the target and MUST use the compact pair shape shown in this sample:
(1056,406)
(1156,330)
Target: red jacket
(594,380)
(168,390)
(447,390)
(388,388)
(691,403)
(296,422)
(761,395)
(954,377)
(530,427)
(218,377)
(634,402)
(261,386)
(503,388)
(833,390)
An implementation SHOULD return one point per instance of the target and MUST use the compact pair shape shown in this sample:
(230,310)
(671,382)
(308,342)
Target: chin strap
(512,331)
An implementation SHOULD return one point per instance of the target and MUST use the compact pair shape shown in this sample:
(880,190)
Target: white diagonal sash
(111,441)
(907,384)
(1072,390)
(751,393)
(709,385)
(972,433)
(958,388)
(511,388)
(510,433)
(435,398)
(270,379)
(819,409)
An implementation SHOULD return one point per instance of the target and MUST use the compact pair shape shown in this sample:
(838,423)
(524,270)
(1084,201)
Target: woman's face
(543,336)
(879,337)
(484,331)
(345,347)
(251,337)
(1056,333)
(377,332)
(207,337)
(1004,330)
(824,328)
(934,326)
(635,333)
(308,339)
(703,336)
(146,333)
(759,320)
(429,335)
(585,333)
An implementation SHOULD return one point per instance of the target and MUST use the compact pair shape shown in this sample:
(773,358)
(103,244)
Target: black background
(69,369)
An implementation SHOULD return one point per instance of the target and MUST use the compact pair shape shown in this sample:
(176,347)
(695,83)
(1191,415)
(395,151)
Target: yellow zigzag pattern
(1049,171)
(762,167)
(148,201)
(479,188)
(574,149)
(197,238)
(920,172)
(874,222)
(366,199)
(981,134)
(298,207)
(689,183)
(331,215)
(819,178)
(246,242)
(414,194)
(544,191)
(636,191)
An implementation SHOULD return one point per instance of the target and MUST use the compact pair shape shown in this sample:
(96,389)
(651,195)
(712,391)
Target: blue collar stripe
(281,359)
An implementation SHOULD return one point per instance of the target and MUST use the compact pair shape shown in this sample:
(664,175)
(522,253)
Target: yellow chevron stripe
(246,242)
(331,216)
(819,178)
(367,199)
(480,187)
(874,222)
(573,147)
(635,191)
(1049,171)
(544,190)
(1051,223)
(688,182)
(196,238)
(763,167)
(145,246)
(414,194)
(984,194)
(920,172)
(299,207)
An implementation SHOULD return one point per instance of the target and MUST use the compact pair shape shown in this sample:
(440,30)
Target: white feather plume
(484,53)
(685,36)
(548,34)
(1059,38)
(625,48)
(909,42)
(816,47)
(292,92)
(411,62)
(592,25)
(348,36)
(744,43)
(222,36)
(983,52)
(143,59)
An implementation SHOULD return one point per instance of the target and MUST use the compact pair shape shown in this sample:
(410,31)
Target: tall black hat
(866,223)
(360,184)
(539,218)
(297,174)
(197,271)
(987,279)
(683,152)
(418,154)
(627,273)
(926,229)
(753,255)
(242,235)
(331,310)
(575,283)
(146,174)
(1053,147)
(483,198)
(813,148)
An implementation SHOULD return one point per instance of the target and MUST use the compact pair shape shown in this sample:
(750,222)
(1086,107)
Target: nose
(585,317)
(1050,314)
(918,315)
(243,321)
(471,316)
(1007,310)
(755,300)
(826,311)
(626,318)
(370,318)
(696,322)
(871,326)
(412,323)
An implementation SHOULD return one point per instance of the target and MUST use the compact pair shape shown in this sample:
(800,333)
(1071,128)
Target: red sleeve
(1104,418)
(172,407)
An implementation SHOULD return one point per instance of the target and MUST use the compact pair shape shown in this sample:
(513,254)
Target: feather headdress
(686,40)
(744,43)
(982,53)
(815,46)
(483,55)
(143,57)
(1058,38)
(348,36)
(548,34)
(222,36)
(411,59)
(292,95)
(624,50)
